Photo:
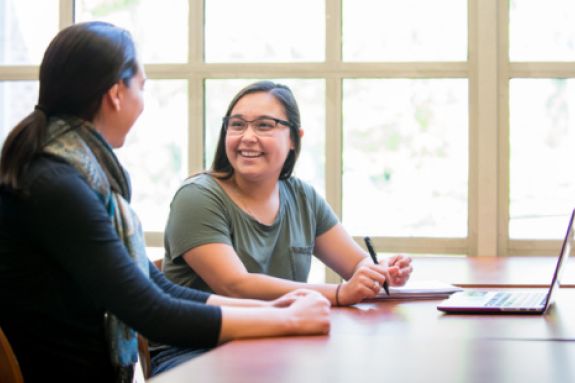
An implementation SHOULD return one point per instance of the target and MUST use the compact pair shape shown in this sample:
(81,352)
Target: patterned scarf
(78,143)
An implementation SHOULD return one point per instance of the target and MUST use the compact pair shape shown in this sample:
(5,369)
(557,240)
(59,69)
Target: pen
(374,258)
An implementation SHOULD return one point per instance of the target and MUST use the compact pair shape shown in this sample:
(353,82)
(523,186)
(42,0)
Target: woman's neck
(259,199)
(255,191)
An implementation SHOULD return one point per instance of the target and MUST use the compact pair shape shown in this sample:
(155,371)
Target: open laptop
(520,302)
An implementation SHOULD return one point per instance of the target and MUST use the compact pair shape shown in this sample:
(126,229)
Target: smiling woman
(271,149)
(249,228)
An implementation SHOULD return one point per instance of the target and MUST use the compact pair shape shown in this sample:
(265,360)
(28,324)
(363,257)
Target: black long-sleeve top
(62,265)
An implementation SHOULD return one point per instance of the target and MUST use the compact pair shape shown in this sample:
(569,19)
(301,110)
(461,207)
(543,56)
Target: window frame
(487,69)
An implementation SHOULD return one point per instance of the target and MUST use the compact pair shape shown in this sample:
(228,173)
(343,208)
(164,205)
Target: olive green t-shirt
(201,213)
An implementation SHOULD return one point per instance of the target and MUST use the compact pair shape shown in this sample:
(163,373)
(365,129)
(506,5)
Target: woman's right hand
(309,312)
(365,283)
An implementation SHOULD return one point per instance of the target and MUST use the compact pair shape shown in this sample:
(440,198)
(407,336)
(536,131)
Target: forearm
(337,250)
(174,290)
(240,323)
(362,261)
(260,286)
(307,314)
(346,266)
(256,286)
(219,300)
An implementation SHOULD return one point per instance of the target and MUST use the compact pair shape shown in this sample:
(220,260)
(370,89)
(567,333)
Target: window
(24,35)
(389,30)
(541,31)
(264,31)
(17,99)
(155,152)
(434,126)
(405,157)
(160,30)
(542,146)
(541,134)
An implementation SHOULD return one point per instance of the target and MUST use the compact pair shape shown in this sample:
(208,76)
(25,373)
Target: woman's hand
(365,283)
(368,278)
(308,312)
(300,312)
(399,269)
(289,298)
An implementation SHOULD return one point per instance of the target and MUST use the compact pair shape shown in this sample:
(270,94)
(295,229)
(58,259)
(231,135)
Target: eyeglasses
(263,126)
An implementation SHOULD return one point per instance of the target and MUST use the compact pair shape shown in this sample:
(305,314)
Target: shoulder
(300,194)
(203,182)
(55,188)
(193,187)
(48,173)
(198,192)
(298,186)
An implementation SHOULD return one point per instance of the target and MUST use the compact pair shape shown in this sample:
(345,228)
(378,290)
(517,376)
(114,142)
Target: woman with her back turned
(75,282)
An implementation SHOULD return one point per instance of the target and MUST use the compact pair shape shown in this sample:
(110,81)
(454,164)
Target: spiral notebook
(520,302)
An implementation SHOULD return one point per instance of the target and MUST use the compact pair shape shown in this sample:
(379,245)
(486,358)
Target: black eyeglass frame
(226,119)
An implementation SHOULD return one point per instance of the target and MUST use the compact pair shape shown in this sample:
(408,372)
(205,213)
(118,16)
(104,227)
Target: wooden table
(409,341)
(492,271)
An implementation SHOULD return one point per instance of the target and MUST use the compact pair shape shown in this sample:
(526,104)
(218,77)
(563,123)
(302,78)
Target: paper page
(420,289)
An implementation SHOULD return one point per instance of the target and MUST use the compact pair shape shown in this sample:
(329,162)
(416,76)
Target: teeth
(250,154)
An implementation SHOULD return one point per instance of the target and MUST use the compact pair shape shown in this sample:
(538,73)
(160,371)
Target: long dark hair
(79,66)
(221,166)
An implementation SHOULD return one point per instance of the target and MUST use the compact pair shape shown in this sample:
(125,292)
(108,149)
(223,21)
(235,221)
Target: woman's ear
(300,134)
(112,97)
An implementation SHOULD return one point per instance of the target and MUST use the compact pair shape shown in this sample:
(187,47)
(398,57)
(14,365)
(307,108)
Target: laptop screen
(565,251)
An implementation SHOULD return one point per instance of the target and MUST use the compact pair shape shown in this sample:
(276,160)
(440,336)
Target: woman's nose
(249,133)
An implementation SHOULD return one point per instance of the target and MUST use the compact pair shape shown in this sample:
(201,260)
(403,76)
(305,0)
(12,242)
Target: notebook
(520,302)
(426,289)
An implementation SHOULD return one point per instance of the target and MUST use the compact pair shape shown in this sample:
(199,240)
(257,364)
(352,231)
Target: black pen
(374,258)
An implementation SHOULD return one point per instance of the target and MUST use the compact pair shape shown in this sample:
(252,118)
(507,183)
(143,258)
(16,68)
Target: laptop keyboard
(516,299)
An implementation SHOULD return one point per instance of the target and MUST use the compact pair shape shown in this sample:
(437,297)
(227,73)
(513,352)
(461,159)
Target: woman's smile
(250,153)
